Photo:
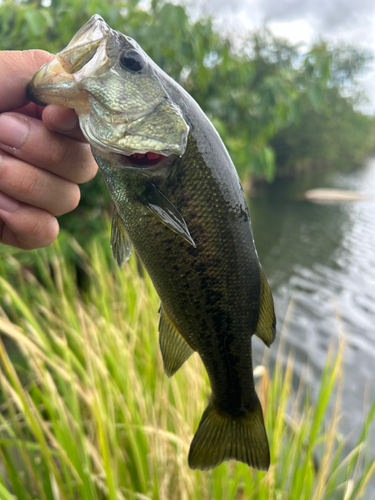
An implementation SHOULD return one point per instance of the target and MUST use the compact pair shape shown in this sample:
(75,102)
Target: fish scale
(179,202)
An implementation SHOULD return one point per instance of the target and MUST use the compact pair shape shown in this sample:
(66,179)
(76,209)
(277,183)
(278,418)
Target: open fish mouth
(145,159)
(92,76)
(56,81)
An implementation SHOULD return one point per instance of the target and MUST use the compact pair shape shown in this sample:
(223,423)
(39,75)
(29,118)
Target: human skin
(43,157)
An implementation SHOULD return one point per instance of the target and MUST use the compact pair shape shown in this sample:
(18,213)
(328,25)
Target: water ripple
(324,257)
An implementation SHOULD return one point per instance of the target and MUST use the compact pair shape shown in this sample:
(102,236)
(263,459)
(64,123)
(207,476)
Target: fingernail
(64,121)
(13,131)
(8,204)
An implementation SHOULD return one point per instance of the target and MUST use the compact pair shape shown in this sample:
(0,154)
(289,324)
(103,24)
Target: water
(323,257)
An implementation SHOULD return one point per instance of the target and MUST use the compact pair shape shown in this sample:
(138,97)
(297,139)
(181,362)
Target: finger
(31,109)
(25,227)
(29,140)
(63,120)
(36,186)
(17,69)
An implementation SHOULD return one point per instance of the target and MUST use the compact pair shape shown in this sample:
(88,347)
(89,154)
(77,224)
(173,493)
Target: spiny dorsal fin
(266,327)
(174,349)
(159,205)
(221,437)
(120,242)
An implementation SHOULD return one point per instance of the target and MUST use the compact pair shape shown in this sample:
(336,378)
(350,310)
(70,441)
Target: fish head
(120,95)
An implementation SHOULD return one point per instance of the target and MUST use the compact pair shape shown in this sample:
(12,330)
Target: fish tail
(221,437)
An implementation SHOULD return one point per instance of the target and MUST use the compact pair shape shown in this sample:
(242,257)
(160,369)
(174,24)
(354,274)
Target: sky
(306,21)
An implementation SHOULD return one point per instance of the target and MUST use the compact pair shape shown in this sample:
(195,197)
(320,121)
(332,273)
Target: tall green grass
(87,413)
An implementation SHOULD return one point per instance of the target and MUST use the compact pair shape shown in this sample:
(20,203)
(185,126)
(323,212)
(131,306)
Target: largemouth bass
(179,202)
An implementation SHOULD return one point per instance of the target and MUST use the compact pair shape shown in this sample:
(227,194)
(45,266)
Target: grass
(87,413)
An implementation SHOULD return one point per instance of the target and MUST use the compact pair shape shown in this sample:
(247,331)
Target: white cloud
(295,31)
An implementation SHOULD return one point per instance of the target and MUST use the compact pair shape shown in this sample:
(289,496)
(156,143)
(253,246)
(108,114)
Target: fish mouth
(144,131)
(56,81)
(149,163)
(148,159)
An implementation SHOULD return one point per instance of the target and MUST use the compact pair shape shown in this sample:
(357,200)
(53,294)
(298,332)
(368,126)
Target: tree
(274,106)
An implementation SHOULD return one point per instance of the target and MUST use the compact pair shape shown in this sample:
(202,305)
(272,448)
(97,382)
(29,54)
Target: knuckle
(42,231)
(70,202)
(55,152)
(75,199)
(7,169)
(28,184)
(23,182)
(70,159)
(87,166)
(4,169)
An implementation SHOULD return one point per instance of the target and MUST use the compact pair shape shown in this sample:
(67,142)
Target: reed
(87,413)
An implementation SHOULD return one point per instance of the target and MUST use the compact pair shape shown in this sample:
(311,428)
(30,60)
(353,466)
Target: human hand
(43,156)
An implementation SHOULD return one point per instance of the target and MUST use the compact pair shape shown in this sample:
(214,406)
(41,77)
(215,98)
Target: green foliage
(275,107)
(86,411)
(300,146)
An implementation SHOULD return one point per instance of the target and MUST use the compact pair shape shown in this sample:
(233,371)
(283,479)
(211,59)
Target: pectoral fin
(120,242)
(266,327)
(174,349)
(159,205)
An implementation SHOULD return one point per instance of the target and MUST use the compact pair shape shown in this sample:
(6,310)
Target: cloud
(349,20)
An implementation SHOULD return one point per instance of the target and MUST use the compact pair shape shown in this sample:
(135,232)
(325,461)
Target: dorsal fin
(174,349)
(120,241)
(266,327)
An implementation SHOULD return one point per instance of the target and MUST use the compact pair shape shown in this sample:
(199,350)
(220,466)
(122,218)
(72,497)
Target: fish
(179,203)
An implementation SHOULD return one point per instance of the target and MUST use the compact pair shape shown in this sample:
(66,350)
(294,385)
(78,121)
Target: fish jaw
(83,45)
(119,111)
(55,82)
(53,85)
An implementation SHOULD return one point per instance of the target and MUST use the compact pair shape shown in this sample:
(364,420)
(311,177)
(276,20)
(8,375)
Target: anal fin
(266,327)
(120,241)
(174,349)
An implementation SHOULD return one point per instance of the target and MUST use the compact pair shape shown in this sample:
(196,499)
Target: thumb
(63,120)
(17,69)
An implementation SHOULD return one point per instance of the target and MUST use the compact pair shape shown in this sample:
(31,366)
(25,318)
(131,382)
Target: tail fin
(221,437)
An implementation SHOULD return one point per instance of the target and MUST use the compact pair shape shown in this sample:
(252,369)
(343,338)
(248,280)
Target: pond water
(322,258)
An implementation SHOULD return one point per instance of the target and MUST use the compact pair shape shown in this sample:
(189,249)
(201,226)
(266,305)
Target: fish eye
(132,61)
